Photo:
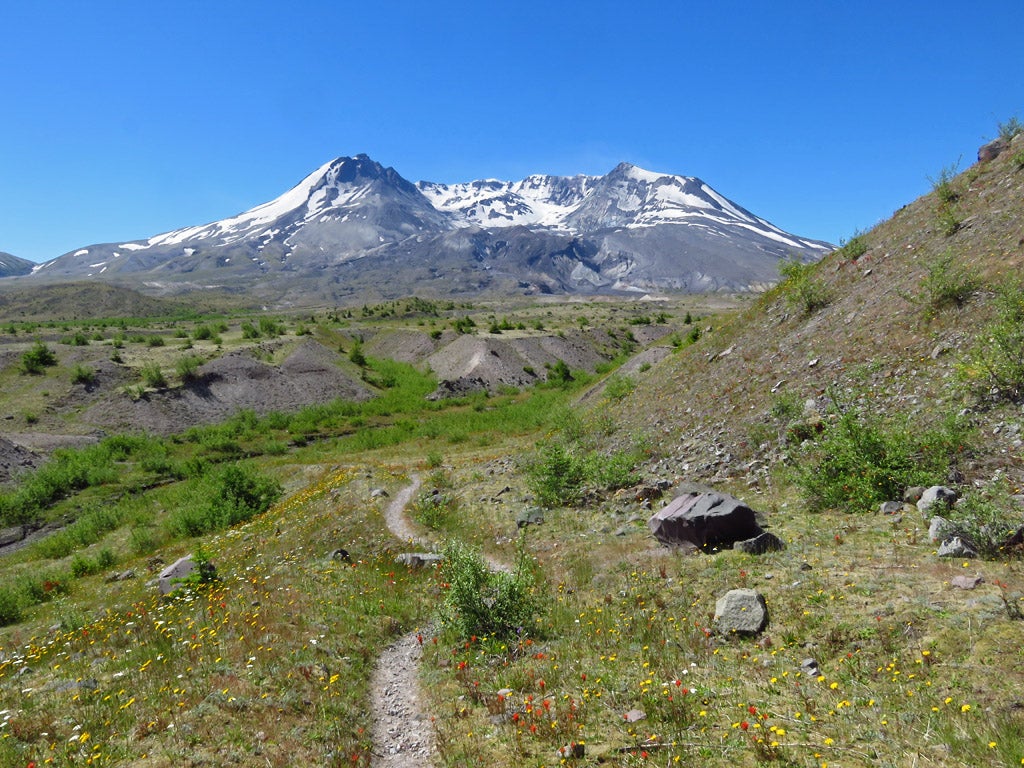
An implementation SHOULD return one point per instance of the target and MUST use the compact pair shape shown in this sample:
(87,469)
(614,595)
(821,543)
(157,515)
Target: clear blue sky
(120,120)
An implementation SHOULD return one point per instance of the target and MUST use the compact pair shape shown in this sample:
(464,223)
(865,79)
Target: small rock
(891,507)
(810,668)
(379,493)
(940,529)
(966,582)
(936,495)
(759,545)
(956,547)
(634,715)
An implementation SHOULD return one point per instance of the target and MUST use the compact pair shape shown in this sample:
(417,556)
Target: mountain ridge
(642,231)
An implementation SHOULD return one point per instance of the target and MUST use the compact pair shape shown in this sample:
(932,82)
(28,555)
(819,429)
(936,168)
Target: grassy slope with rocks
(270,665)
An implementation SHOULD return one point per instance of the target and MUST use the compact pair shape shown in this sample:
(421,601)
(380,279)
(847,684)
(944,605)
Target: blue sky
(120,120)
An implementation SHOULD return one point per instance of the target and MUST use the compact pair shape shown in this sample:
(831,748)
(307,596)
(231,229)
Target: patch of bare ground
(231,383)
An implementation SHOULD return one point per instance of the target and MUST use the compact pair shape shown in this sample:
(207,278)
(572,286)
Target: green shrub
(187,368)
(859,461)
(202,333)
(153,376)
(994,368)
(987,518)
(36,359)
(270,327)
(855,247)
(10,607)
(619,387)
(564,469)
(83,566)
(942,185)
(435,509)
(801,290)
(1010,128)
(250,331)
(230,496)
(80,374)
(481,602)
(947,283)
(155,341)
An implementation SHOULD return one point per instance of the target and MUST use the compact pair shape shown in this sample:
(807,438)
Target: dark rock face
(705,520)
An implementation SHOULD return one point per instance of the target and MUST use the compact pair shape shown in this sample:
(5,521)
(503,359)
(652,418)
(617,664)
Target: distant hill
(82,300)
(356,228)
(11,266)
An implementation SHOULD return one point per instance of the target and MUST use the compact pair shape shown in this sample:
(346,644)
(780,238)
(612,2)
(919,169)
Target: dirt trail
(403,732)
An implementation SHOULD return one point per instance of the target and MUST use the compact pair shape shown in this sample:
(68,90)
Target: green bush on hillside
(37,358)
(801,290)
(994,367)
(860,461)
(224,498)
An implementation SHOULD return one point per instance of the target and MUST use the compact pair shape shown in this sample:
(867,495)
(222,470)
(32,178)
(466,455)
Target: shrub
(994,368)
(80,374)
(942,185)
(947,283)
(152,376)
(155,341)
(37,358)
(231,496)
(83,566)
(987,518)
(1010,128)
(435,509)
(270,328)
(619,387)
(802,292)
(10,607)
(356,354)
(564,469)
(250,331)
(855,247)
(481,602)
(860,461)
(187,368)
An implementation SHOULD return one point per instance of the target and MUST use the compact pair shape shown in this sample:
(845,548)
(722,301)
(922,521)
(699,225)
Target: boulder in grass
(741,612)
(761,544)
(708,520)
(174,574)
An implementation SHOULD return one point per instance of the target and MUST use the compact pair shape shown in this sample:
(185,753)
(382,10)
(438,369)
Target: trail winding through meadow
(403,732)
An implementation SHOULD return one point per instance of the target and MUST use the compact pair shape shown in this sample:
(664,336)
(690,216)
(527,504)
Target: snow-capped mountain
(353,222)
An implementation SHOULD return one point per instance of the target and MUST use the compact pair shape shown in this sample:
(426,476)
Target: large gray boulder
(938,496)
(741,612)
(709,520)
(171,577)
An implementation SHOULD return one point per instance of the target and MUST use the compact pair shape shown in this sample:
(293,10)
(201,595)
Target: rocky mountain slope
(353,226)
(11,266)
(894,330)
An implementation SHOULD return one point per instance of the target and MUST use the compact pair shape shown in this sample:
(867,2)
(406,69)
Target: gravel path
(403,733)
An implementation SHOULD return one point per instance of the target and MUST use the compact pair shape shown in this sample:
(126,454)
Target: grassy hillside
(870,371)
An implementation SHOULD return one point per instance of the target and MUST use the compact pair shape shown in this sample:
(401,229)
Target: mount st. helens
(353,227)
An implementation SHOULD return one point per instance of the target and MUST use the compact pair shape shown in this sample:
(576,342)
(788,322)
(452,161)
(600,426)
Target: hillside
(11,266)
(891,335)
